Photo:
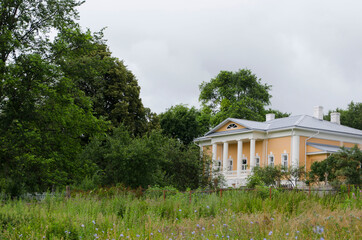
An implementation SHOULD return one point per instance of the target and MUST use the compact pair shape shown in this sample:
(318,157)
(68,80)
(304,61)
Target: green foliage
(267,175)
(113,89)
(183,123)
(43,119)
(235,94)
(341,167)
(351,117)
(142,161)
(205,216)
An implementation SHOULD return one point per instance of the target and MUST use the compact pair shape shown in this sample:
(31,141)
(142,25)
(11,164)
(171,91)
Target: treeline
(71,113)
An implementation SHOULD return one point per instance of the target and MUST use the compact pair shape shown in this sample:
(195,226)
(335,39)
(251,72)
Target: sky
(309,51)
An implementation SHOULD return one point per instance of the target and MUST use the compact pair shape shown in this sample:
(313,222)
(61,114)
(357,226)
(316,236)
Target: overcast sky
(309,51)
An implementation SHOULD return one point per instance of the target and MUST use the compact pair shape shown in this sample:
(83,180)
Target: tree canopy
(235,94)
(351,117)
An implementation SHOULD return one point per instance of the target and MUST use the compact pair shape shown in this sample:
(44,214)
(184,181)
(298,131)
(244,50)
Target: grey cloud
(308,50)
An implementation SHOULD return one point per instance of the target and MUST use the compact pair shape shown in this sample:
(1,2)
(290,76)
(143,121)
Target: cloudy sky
(309,51)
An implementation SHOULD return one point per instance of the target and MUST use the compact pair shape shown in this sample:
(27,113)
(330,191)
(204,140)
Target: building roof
(299,121)
(324,147)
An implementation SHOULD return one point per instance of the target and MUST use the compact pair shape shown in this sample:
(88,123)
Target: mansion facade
(238,145)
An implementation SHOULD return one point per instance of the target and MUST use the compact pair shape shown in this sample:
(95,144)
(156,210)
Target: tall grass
(235,215)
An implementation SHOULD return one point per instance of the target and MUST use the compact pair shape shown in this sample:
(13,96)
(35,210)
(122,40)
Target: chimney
(318,112)
(270,116)
(336,117)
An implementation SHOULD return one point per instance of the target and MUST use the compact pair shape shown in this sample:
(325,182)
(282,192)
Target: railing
(243,173)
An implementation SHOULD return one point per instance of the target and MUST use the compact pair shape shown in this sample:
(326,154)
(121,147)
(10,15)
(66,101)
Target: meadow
(112,214)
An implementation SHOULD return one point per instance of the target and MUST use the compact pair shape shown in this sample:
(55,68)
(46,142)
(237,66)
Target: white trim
(269,156)
(282,159)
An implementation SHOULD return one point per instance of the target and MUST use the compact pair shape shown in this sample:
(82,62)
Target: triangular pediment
(229,126)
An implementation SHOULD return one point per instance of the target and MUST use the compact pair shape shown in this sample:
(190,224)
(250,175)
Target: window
(257,161)
(218,165)
(244,164)
(271,161)
(285,161)
(231,126)
(230,167)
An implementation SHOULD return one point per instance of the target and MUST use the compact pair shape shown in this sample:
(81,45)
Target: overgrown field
(235,215)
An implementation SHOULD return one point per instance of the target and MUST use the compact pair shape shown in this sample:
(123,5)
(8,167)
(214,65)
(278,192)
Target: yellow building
(238,145)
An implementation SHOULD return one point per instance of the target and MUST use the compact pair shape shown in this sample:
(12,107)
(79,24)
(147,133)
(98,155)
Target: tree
(235,94)
(351,117)
(114,90)
(24,25)
(43,118)
(183,123)
(152,159)
(341,167)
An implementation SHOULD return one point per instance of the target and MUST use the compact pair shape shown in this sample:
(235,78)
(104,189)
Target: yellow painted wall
(315,158)
(277,147)
(246,152)
(223,128)
(324,141)
(259,151)
(302,158)
(312,149)
(233,148)
(349,145)
(207,151)
(219,151)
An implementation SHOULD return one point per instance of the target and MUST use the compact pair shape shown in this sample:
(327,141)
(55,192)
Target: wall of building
(315,158)
(279,146)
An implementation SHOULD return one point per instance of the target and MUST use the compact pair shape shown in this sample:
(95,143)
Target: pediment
(229,126)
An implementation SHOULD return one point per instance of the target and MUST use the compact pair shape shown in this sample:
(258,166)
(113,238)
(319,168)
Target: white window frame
(257,161)
(230,164)
(244,166)
(269,162)
(283,160)
(231,126)
(218,165)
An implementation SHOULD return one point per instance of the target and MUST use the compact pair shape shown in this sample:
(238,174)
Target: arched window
(231,126)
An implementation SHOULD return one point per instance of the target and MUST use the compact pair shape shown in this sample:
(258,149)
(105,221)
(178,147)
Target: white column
(214,149)
(252,153)
(239,157)
(295,151)
(225,156)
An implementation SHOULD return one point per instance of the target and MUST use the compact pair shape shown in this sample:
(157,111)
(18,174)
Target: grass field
(235,215)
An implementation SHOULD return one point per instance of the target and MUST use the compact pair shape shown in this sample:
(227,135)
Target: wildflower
(159,231)
(216,235)
(226,210)
(176,218)
(137,235)
(94,222)
(82,225)
(203,228)
(195,211)
(179,210)
(96,229)
(20,235)
(251,222)
(193,232)
(213,225)
(197,225)
(121,235)
(207,207)
(272,219)
(224,224)
(229,229)
(270,233)
(151,234)
(287,234)
(95,235)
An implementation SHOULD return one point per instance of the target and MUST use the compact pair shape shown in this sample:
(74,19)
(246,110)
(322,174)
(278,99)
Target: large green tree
(85,58)
(42,119)
(235,94)
(183,123)
(351,117)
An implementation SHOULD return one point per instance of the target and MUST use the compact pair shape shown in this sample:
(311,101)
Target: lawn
(109,214)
